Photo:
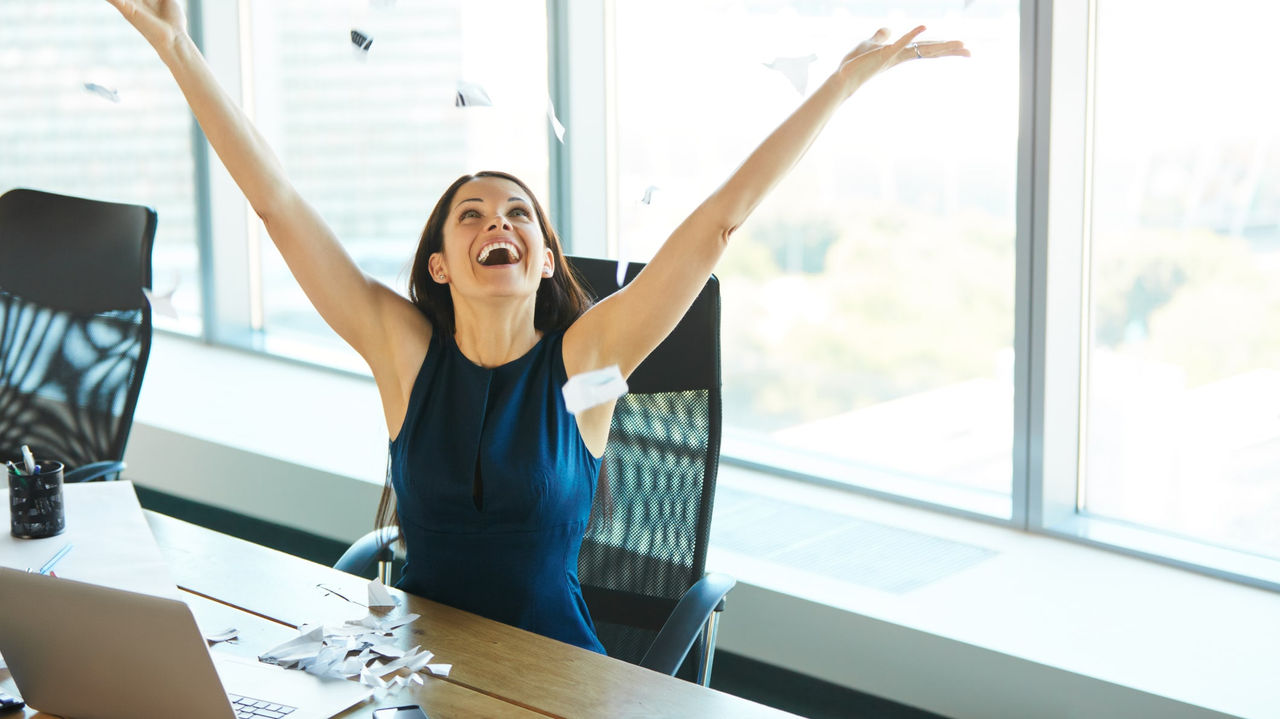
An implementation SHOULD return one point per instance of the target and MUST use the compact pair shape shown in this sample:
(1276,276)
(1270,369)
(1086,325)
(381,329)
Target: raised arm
(360,309)
(625,327)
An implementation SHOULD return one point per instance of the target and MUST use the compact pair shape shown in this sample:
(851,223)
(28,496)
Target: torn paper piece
(648,194)
(795,69)
(370,679)
(387,650)
(362,41)
(379,596)
(413,660)
(304,646)
(586,390)
(622,272)
(555,121)
(108,93)
(225,635)
(161,303)
(415,680)
(440,670)
(471,95)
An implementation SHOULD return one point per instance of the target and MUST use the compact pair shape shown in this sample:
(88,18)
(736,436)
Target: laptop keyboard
(247,708)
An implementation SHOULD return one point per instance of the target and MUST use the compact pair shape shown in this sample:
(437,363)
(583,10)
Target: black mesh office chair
(644,557)
(76,330)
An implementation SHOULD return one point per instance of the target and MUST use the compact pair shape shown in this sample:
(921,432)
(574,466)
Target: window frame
(1051,282)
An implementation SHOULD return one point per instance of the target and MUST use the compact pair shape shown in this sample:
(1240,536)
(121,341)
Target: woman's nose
(499,221)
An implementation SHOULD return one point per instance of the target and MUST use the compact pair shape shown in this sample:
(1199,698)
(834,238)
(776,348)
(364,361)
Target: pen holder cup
(35,501)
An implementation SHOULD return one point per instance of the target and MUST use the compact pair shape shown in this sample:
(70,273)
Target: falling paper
(622,271)
(795,69)
(379,596)
(555,121)
(225,635)
(106,92)
(586,390)
(648,194)
(471,95)
(161,303)
(361,41)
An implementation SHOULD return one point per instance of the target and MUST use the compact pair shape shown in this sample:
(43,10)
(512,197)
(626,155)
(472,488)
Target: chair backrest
(647,540)
(75,327)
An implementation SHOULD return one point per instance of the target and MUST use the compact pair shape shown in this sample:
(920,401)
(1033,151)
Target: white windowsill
(1046,628)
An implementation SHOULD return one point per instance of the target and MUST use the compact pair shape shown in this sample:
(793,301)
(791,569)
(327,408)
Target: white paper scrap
(586,390)
(416,679)
(387,650)
(161,303)
(306,645)
(379,596)
(108,93)
(440,670)
(555,121)
(225,635)
(648,194)
(471,95)
(362,41)
(795,69)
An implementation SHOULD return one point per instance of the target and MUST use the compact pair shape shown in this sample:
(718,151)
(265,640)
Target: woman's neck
(493,335)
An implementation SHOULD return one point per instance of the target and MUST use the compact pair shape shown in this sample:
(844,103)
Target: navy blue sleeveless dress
(493,490)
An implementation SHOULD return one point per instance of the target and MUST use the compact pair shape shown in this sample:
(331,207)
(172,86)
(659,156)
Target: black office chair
(643,560)
(76,330)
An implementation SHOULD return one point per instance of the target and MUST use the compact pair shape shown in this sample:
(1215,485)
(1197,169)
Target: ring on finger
(916,46)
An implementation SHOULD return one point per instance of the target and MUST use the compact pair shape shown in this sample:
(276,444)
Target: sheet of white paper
(416,679)
(379,596)
(413,660)
(109,93)
(440,670)
(161,304)
(795,69)
(471,95)
(555,121)
(586,390)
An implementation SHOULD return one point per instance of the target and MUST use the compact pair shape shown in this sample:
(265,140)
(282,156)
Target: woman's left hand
(873,56)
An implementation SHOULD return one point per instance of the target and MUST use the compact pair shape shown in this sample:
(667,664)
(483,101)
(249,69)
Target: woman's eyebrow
(479,199)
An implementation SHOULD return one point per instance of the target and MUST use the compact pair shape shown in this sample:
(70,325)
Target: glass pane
(868,302)
(1183,429)
(60,136)
(372,138)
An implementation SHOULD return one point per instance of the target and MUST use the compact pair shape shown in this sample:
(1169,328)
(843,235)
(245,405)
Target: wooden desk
(498,670)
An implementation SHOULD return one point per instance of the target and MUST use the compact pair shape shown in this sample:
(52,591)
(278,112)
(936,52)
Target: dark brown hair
(560,299)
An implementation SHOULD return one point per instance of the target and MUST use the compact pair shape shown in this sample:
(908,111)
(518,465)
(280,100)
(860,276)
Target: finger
(935,48)
(903,41)
(880,35)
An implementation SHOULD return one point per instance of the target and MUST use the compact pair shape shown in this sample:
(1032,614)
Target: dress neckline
(453,344)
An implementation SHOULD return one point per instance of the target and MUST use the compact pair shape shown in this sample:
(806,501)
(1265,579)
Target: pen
(28,459)
(14,468)
(48,566)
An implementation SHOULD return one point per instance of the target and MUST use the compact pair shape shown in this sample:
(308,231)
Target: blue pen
(48,566)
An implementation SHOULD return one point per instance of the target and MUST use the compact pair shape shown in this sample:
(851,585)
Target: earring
(440,277)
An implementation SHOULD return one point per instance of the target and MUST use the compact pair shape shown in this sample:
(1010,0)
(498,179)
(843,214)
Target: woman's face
(493,245)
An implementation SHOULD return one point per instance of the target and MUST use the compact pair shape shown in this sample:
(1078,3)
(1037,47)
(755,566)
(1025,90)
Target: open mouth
(498,253)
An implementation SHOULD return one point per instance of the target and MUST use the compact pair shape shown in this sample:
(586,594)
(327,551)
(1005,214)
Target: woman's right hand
(161,22)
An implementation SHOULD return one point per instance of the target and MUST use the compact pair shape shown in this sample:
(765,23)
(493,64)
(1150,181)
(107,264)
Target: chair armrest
(94,471)
(681,629)
(376,546)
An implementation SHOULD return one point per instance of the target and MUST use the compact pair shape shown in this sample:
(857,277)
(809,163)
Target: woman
(492,476)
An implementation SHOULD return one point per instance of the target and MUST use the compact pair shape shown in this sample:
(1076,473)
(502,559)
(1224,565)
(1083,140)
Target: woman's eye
(519,211)
(468,214)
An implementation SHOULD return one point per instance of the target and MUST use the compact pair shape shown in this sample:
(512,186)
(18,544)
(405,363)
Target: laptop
(85,651)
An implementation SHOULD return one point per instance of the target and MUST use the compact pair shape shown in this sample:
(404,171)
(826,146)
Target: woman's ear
(436,265)
(548,263)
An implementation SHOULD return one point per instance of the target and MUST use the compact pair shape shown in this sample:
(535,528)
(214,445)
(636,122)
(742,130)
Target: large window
(371,138)
(1183,370)
(869,301)
(87,109)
